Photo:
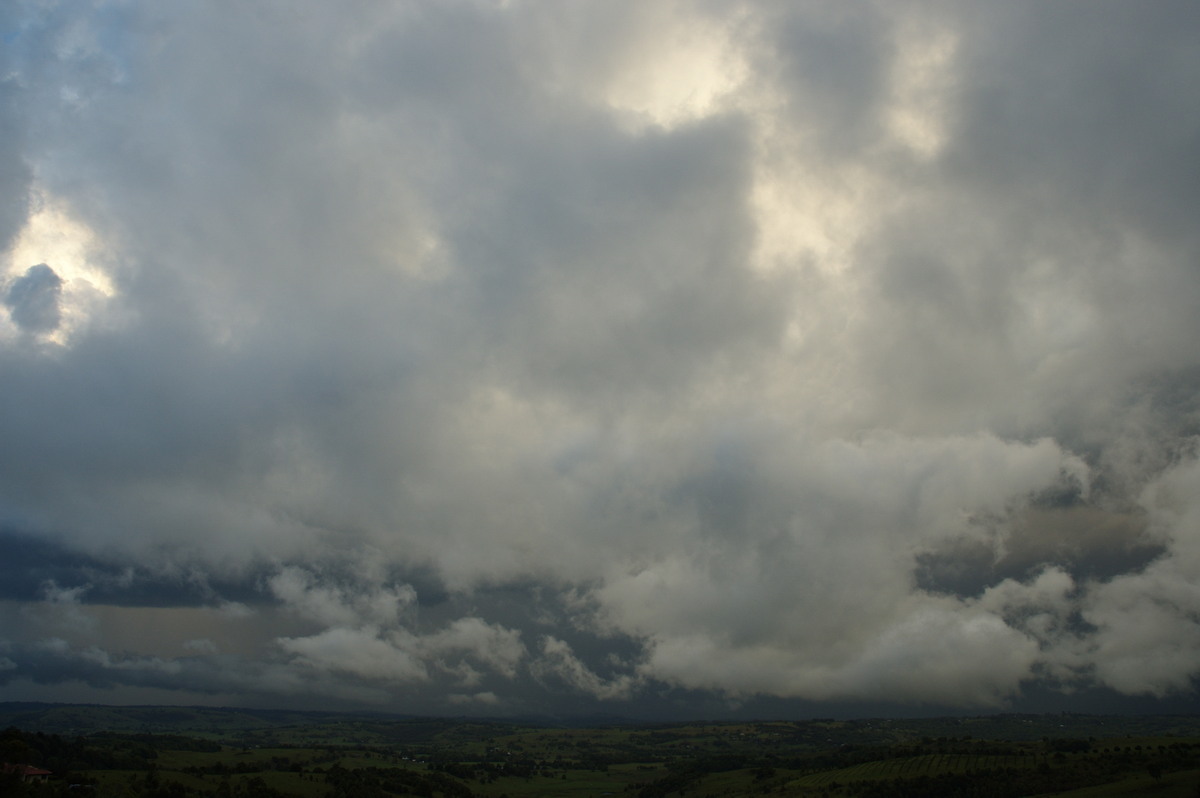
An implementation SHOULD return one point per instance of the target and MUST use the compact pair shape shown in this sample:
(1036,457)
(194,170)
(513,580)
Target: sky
(645,358)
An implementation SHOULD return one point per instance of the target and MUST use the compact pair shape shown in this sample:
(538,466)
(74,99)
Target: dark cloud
(1068,110)
(30,563)
(33,299)
(1089,544)
(833,64)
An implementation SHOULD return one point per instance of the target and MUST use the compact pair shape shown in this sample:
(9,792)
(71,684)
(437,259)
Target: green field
(153,752)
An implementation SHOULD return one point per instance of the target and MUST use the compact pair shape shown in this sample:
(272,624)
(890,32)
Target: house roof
(24,770)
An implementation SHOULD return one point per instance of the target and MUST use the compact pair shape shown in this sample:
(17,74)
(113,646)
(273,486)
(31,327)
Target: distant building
(26,772)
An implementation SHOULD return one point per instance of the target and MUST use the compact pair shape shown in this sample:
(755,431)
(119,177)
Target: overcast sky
(651,358)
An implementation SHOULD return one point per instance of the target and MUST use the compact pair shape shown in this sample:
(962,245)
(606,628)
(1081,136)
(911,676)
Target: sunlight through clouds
(922,87)
(73,251)
(689,69)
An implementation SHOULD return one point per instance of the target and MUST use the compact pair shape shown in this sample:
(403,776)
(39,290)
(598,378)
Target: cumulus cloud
(486,698)
(521,354)
(334,605)
(370,632)
(558,662)
(359,652)
(33,299)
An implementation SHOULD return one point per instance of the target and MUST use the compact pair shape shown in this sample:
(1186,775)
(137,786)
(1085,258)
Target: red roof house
(26,772)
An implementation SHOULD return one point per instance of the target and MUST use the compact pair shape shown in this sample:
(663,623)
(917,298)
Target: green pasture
(561,760)
(1138,756)
(913,767)
(1181,784)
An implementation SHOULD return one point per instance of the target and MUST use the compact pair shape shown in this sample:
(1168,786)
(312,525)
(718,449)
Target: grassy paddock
(1182,784)
(343,756)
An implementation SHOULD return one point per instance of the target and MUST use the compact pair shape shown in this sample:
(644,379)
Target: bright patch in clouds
(53,236)
(922,83)
(688,70)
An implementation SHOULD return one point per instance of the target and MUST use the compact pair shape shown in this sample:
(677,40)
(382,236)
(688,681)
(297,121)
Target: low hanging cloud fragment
(559,663)
(370,634)
(33,300)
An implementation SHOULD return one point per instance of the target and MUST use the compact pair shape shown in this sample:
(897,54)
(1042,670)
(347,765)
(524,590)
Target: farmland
(177,752)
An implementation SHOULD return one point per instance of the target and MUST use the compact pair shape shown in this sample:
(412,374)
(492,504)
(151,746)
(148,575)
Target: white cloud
(368,632)
(492,645)
(558,660)
(201,645)
(486,698)
(333,605)
(358,652)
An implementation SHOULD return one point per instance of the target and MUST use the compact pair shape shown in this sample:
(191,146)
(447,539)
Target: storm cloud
(521,356)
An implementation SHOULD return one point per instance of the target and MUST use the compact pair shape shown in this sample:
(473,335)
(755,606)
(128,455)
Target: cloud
(369,633)
(33,299)
(201,645)
(55,663)
(15,174)
(486,698)
(558,660)
(1144,620)
(331,605)
(947,657)
(492,645)
(528,356)
(359,652)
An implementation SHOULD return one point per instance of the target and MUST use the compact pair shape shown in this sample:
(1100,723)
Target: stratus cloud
(858,365)
(53,662)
